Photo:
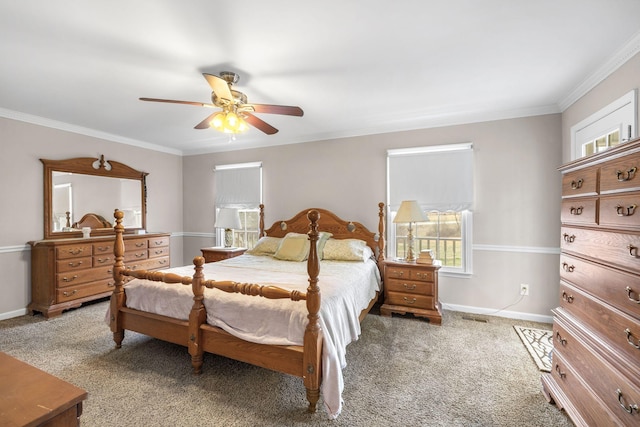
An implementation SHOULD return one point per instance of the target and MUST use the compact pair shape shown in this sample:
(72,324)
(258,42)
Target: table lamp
(409,212)
(229,219)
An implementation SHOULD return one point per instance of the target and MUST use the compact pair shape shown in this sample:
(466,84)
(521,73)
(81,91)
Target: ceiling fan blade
(205,123)
(276,109)
(219,87)
(260,124)
(172,101)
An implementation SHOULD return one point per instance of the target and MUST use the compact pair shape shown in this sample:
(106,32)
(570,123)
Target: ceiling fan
(236,113)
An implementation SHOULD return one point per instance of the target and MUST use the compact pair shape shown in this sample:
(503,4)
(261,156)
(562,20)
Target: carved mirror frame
(95,167)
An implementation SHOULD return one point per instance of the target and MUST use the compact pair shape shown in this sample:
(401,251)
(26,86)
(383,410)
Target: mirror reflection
(75,195)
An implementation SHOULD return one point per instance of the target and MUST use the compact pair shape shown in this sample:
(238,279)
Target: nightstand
(410,287)
(218,253)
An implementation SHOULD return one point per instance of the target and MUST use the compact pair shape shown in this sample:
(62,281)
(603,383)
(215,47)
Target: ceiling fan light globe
(218,122)
(232,122)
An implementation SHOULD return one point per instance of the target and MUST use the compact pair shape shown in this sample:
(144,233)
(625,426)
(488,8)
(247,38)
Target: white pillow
(265,246)
(346,250)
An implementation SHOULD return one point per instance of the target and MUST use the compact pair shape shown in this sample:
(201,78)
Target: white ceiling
(355,67)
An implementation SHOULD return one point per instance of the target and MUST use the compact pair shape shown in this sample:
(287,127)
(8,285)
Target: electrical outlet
(524,289)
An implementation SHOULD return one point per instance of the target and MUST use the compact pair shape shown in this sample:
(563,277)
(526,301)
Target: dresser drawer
(414,287)
(102,260)
(616,328)
(84,290)
(150,264)
(158,251)
(620,175)
(73,251)
(620,211)
(136,255)
(583,182)
(581,211)
(410,300)
(610,385)
(407,273)
(592,410)
(618,249)
(71,264)
(102,248)
(72,278)
(135,245)
(158,242)
(620,289)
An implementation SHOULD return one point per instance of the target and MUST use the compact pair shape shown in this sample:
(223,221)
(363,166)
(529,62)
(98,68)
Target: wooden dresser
(68,272)
(596,356)
(410,287)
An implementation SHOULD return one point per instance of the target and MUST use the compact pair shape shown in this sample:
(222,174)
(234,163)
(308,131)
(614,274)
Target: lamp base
(228,238)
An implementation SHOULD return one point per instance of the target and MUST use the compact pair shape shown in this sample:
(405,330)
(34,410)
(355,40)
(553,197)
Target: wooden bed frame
(199,337)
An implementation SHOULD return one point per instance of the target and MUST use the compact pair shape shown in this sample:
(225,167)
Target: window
(614,124)
(440,178)
(239,186)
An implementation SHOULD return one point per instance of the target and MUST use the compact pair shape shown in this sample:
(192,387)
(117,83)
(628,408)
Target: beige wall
(23,144)
(516,216)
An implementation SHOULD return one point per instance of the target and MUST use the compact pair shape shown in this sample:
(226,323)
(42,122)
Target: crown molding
(621,56)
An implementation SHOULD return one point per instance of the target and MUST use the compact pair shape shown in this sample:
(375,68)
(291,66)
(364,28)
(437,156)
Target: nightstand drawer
(409,274)
(407,286)
(410,300)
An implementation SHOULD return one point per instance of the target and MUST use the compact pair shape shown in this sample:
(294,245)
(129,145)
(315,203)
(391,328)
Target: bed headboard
(331,223)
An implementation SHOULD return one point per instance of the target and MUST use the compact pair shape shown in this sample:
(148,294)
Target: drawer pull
(140,255)
(633,249)
(412,301)
(409,288)
(75,264)
(576,211)
(576,184)
(423,276)
(630,210)
(566,297)
(568,268)
(139,245)
(159,251)
(102,248)
(66,279)
(630,293)
(626,175)
(569,238)
(163,261)
(629,408)
(111,284)
(103,260)
(629,339)
(559,371)
(561,340)
(76,251)
(68,294)
(396,273)
(158,242)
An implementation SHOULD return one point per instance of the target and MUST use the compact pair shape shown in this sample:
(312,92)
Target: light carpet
(539,344)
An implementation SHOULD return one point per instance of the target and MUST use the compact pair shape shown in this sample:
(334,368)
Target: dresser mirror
(84,192)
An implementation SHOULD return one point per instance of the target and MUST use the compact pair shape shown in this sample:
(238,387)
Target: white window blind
(238,186)
(439,177)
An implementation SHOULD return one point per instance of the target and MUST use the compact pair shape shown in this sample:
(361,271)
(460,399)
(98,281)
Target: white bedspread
(346,289)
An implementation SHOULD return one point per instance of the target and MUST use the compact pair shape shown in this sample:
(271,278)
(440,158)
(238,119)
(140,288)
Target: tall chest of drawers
(68,272)
(596,357)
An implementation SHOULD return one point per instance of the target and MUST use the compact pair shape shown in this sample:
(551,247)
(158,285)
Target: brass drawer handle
(422,276)
(630,293)
(140,255)
(559,371)
(409,288)
(566,297)
(576,184)
(396,273)
(103,260)
(159,251)
(412,301)
(163,261)
(67,279)
(633,249)
(569,238)
(68,294)
(629,408)
(576,211)
(561,340)
(76,251)
(568,268)
(159,242)
(139,245)
(76,264)
(102,248)
(630,210)
(629,339)
(626,175)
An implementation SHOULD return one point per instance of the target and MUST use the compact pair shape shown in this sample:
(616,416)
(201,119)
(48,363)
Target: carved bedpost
(118,296)
(261,221)
(313,333)
(197,316)
(381,240)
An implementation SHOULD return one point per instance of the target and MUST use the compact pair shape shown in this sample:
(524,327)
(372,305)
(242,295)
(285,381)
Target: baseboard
(499,313)
(12,314)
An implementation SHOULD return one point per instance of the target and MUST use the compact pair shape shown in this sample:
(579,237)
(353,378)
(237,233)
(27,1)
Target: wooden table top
(30,396)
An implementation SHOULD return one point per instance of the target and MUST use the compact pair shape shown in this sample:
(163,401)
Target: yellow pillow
(294,247)
(345,250)
(265,246)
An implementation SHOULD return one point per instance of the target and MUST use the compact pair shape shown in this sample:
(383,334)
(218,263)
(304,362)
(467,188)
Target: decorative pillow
(294,247)
(265,246)
(322,240)
(346,250)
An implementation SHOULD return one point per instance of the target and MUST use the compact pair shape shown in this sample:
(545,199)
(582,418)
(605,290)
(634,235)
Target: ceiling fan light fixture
(228,122)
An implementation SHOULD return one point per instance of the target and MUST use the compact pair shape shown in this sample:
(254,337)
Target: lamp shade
(228,218)
(409,211)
